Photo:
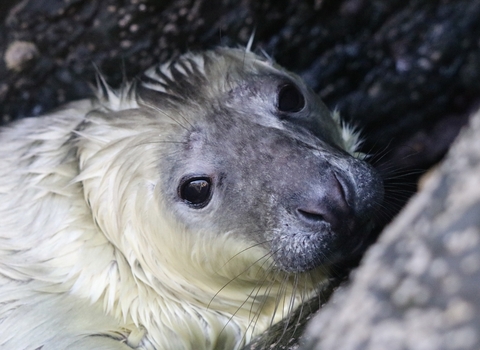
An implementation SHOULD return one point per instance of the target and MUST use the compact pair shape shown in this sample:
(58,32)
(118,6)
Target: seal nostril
(320,215)
(311,216)
(328,204)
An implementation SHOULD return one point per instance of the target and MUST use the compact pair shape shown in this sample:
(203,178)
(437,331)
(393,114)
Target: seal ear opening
(290,99)
(196,192)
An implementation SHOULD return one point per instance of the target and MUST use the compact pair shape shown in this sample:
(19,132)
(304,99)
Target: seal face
(178,211)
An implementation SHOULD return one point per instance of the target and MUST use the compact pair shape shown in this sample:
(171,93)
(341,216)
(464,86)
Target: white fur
(87,246)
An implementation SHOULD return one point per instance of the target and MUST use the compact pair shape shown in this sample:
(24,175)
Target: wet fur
(91,255)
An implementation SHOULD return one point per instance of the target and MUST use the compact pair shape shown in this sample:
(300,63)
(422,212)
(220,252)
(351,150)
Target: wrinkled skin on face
(276,166)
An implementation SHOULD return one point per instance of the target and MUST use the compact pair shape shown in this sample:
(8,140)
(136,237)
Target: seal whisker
(253,320)
(377,157)
(237,276)
(256,287)
(244,250)
(259,286)
(288,318)
(280,299)
(266,294)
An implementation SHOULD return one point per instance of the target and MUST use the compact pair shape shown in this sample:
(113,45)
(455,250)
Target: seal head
(261,154)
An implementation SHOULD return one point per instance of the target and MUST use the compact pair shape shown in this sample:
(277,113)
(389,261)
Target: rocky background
(418,286)
(406,72)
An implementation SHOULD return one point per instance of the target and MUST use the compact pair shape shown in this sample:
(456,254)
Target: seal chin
(302,251)
(306,250)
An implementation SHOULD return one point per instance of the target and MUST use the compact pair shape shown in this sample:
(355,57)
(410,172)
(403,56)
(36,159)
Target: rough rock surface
(418,286)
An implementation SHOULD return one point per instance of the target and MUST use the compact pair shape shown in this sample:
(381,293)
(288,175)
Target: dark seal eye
(290,99)
(196,191)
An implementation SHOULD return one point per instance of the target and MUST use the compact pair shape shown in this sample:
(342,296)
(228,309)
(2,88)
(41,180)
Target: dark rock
(418,286)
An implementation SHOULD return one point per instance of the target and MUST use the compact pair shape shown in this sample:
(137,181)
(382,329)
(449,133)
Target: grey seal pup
(189,210)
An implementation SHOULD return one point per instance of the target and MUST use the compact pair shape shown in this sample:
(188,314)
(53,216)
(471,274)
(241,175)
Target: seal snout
(329,218)
(327,204)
